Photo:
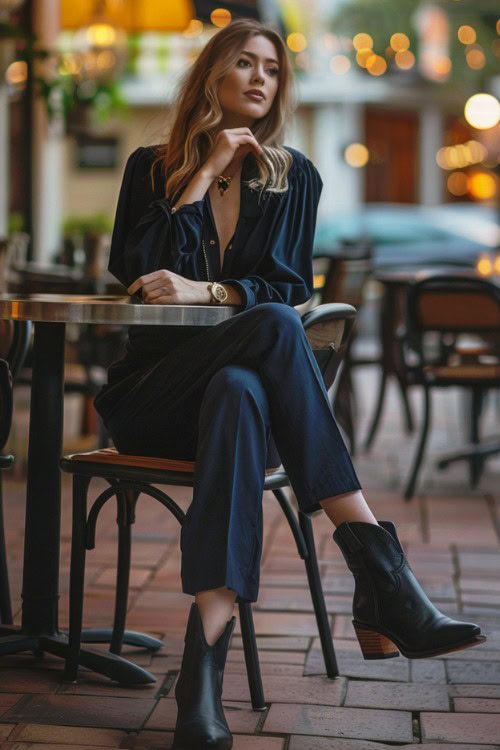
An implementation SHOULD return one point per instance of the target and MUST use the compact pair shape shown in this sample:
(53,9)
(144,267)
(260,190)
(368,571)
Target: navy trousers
(217,399)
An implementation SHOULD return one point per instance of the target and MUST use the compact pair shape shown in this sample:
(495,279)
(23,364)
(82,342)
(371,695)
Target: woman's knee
(235,380)
(278,315)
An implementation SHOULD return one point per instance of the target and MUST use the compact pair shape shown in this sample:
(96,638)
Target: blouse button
(230,246)
(173,210)
(212,242)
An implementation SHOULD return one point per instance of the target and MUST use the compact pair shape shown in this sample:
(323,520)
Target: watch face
(220,293)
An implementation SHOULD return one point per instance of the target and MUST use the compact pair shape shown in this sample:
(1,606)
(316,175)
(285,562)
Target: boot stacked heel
(389,599)
(374,645)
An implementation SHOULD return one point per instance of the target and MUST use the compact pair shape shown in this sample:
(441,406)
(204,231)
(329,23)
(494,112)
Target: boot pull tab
(350,539)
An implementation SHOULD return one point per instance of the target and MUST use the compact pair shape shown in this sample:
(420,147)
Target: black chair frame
(126,483)
(476,452)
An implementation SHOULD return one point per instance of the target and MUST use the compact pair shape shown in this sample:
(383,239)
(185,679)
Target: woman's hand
(230,148)
(168,288)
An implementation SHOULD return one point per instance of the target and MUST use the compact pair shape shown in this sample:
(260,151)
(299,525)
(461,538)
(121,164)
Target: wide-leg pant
(217,399)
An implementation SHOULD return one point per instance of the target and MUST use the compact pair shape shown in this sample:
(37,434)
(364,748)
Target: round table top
(80,308)
(407,274)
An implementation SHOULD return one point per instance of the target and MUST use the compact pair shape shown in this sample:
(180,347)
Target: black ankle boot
(200,716)
(391,611)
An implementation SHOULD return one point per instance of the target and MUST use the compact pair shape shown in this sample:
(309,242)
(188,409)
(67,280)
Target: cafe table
(39,630)
(395,281)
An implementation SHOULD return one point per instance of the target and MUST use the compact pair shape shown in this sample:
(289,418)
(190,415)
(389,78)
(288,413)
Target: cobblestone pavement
(451,535)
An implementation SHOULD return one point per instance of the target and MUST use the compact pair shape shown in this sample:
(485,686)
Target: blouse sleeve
(146,234)
(285,273)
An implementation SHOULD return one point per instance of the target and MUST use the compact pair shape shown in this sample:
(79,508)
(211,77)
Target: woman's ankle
(349,506)
(216,609)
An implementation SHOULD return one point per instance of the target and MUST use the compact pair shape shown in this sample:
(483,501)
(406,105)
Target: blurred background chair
(14,342)
(453,335)
(343,276)
(328,328)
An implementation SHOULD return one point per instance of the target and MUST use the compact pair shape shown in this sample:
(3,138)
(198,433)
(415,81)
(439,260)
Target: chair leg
(122,574)
(77,575)
(343,406)
(318,597)
(5,604)
(377,414)
(410,487)
(476,462)
(251,657)
(403,389)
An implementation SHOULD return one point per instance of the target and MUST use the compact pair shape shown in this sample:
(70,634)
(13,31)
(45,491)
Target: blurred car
(412,234)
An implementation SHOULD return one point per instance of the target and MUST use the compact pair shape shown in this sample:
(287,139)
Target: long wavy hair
(197,113)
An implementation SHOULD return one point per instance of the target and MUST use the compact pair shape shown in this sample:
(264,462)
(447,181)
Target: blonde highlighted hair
(198,112)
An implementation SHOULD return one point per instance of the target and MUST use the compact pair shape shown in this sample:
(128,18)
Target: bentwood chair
(327,328)
(14,342)
(453,330)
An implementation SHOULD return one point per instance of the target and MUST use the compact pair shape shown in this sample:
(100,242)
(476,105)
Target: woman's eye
(273,71)
(243,61)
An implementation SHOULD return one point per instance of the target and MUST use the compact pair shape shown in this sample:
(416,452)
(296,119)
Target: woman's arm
(284,272)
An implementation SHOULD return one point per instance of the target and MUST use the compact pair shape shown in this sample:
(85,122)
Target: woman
(224,214)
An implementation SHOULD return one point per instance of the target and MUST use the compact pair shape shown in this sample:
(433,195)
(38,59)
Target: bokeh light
(193,29)
(400,42)
(296,41)
(482,185)
(376,65)
(482,111)
(360,41)
(475,59)
(405,60)
(466,34)
(220,17)
(17,73)
(457,183)
(356,155)
(340,64)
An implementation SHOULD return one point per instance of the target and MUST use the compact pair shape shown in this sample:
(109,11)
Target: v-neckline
(231,240)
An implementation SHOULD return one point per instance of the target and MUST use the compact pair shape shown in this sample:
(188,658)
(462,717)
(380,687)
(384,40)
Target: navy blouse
(268,259)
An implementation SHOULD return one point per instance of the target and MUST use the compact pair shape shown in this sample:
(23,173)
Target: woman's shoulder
(302,166)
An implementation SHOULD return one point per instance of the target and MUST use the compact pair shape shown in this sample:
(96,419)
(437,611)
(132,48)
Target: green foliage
(95,224)
(15,223)
(382,18)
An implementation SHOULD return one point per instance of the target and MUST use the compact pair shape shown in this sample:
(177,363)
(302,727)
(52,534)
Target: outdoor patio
(452,537)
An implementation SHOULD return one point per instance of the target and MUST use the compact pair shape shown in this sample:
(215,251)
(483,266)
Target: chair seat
(464,372)
(110,456)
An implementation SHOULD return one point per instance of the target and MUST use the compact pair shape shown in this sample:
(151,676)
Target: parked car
(413,234)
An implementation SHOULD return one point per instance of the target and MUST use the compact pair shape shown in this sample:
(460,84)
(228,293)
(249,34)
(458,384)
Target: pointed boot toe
(391,611)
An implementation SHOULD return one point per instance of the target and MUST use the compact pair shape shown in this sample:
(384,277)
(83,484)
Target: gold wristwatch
(218,292)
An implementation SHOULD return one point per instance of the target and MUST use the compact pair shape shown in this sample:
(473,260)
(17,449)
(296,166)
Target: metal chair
(447,308)
(15,336)
(328,328)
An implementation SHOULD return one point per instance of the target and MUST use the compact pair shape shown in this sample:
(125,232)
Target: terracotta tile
(299,742)
(480,705)
(276,688)
(66,735)
(239,716)
(28,681)
(276,643)
(81,710)
(251,742)
(352,664)
(6,729)
(395,726)
(284,623)
(460,727)
(286,658)
(427,670)
(43,746)
(469,671)
(475,691)
(410,697)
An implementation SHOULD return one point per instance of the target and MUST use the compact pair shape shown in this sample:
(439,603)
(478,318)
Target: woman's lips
(255,97)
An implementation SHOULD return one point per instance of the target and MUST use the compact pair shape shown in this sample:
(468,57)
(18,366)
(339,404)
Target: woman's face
(256,69)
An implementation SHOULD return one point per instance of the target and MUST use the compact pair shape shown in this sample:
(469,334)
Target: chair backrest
(328,328)
(452,305)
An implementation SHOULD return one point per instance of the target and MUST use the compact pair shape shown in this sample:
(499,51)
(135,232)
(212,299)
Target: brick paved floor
(451,535)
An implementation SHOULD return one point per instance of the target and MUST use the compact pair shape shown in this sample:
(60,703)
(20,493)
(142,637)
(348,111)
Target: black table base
(39,631)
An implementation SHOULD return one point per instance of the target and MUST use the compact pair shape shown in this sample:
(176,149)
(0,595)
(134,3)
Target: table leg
(39,630)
